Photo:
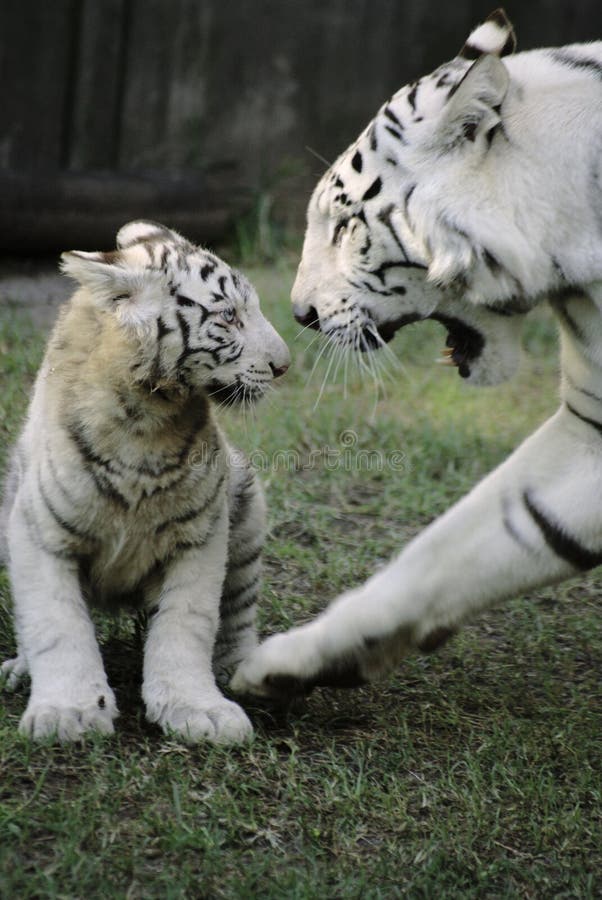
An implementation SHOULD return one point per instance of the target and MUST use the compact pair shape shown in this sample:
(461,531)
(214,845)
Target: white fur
(496,217)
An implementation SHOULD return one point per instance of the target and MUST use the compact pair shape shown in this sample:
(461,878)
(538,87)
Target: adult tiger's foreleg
(531,522)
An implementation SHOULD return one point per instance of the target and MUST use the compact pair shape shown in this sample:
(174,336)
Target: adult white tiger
(124,491)
(473,194)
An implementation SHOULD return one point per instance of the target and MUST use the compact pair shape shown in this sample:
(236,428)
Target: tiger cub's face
(195,322)
(365,269)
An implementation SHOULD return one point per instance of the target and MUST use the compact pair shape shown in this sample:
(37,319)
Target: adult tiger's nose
(306,315)
(277,371)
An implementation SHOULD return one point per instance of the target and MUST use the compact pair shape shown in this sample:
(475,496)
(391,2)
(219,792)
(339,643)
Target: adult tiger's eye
(229,315)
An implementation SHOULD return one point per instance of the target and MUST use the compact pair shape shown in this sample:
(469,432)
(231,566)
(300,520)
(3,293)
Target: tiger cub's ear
(495,35)
(99,272)
(473,107)
(144,230)
(134,295)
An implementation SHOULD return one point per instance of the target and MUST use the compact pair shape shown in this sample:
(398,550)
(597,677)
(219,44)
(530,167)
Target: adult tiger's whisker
(333,349)
(318,156)
(313,322)
(326,345)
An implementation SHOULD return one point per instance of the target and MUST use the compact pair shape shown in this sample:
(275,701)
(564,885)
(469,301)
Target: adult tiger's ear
(145,230)
(473,106)
(494,35)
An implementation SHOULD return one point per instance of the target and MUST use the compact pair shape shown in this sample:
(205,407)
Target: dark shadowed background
(190,110)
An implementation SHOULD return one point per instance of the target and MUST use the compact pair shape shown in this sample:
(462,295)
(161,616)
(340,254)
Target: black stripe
(572,325)
(373,138)
(577,62)
(513,306)
(342,223)
(34,533)
(384,217)
(55,476)
(162,328)
(592,422)
(75,432)
(224,647)
(581,390)
(185,333)
(193,513)
(228,631)
(90,459)
(196,544)
(384,267)
(491,262)
(160,489)
(373,190)
(234,354)
(60,520)
(391,115)
(366,286)
(243,494)
(562,544)
(396,134)
(251,557)
(230,599)
(107,490)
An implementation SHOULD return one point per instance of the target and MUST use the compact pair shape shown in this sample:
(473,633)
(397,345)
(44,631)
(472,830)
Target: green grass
(475,772)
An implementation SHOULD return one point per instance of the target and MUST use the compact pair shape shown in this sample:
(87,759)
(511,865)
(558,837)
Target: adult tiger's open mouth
(463,345)
(375,334)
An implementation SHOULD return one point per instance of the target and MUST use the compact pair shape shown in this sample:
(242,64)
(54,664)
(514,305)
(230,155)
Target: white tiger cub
(124,491)
(475,193)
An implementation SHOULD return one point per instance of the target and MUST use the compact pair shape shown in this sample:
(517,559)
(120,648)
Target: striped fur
(124,491)
(475,193)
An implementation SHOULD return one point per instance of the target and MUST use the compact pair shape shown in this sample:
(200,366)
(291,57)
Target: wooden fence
(186,109)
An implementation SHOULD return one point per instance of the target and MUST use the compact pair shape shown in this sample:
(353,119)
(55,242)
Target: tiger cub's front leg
(237,635)
(179,687)
(70,695)
(530,523)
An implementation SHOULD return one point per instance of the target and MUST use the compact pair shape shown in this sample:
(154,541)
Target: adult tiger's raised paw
(294,663)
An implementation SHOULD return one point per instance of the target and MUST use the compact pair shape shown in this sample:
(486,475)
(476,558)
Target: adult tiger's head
(192,322)
(365,270)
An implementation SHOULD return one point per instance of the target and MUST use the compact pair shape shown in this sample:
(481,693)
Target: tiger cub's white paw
(12,672)
(69,722)
(220,721)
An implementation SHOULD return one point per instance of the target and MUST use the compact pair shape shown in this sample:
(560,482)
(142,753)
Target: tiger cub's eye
(229,315)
